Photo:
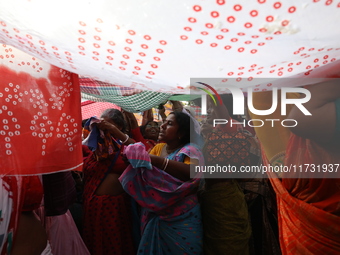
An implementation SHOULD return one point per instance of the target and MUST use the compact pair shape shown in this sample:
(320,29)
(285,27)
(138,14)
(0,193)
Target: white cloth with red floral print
(160,45)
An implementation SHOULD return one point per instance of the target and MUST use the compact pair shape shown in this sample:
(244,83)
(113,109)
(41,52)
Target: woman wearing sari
(309,201)
(164,186)
(107,209)
(226,225)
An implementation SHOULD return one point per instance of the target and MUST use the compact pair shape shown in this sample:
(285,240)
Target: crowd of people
(140,191)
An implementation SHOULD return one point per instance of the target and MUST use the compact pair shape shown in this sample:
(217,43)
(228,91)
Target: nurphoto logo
(239,104)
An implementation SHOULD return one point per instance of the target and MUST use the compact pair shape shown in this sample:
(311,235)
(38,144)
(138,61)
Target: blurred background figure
(147,133)
(226,225)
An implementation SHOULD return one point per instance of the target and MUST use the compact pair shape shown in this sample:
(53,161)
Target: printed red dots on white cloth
(161,45)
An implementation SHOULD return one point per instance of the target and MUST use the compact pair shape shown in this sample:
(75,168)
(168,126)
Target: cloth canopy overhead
(129,99)
(159,45)
(91,108)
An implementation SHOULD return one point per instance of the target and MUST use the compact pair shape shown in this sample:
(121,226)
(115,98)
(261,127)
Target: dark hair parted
(185,127)
(116,116)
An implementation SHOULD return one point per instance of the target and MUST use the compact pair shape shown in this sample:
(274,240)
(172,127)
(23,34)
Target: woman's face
(152,130)
(211,111)
(169,129)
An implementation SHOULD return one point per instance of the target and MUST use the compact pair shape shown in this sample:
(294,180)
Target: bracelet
(127,138)
(166,164)
(163,164)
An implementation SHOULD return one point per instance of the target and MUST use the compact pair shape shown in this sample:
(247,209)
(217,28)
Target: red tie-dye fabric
(40,116)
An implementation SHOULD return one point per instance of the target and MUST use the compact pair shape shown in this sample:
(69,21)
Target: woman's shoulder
(190,149)
(160,145)
(192,146)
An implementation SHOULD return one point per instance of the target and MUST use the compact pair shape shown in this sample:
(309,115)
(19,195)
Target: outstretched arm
(177,106)
(161,112)
(321,125)
(177,169)
(115,132)
(131,119)
(147,116)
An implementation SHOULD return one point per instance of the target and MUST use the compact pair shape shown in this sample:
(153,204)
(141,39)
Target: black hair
(186,127)
(228,102)
(83,122)
(116,116)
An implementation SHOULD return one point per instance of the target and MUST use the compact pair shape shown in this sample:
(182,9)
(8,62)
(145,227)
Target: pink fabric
(91,108)
(137,155)
(63,234)
(157,190)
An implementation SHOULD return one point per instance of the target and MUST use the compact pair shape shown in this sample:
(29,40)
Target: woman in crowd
(107,214)
(163,186)
(225,216)
(308,199)
(147,133)
(239,146)
(150,131)
(21,230)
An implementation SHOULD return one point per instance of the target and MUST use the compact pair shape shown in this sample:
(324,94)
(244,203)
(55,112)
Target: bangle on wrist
(163,163)
(166,164)
(127,138)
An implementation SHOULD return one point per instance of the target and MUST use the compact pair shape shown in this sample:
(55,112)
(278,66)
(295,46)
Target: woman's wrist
(157,161)
(166,164)
(126,139)
(160,162)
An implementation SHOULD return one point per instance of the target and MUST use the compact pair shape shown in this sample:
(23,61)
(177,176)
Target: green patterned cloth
(135,103)
(129,99)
